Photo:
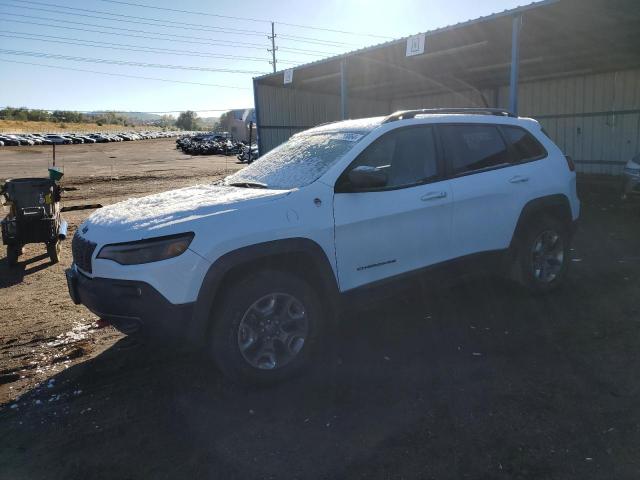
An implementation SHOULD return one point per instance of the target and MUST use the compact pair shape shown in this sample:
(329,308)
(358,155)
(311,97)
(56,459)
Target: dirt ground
(478,380)
(42,332)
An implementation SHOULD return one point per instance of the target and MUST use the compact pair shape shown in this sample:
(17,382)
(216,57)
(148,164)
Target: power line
(55,56)
(230,43)
(123,46)
(222,43)
(126,76)
(134,48)
(248,19)
(163,24)
(315,53)
(329,43)
(344,32)
(214,28)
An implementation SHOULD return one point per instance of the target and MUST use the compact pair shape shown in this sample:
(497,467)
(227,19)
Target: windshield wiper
(248,184)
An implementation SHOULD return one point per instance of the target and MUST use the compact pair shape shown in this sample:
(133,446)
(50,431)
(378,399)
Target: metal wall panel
(577,112)
(595,118)
(285,111)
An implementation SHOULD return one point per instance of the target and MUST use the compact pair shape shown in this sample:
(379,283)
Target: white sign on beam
(415,45)
(288,76)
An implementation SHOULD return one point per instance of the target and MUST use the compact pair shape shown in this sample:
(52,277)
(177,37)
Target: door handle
(519,179)
(433,196)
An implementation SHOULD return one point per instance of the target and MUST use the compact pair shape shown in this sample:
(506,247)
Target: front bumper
(131,306)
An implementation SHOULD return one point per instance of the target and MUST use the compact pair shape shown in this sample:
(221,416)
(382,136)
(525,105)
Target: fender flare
(214,277)
(558,203)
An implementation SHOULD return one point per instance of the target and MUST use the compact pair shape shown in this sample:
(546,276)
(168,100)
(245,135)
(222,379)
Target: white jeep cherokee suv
(253,265)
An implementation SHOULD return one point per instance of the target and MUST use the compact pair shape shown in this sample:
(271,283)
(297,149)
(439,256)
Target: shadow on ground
(478,380)
(14,274)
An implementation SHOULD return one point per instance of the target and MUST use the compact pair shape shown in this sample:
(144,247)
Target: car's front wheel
(266,327)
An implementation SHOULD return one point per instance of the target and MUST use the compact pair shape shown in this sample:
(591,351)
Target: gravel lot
(476,380)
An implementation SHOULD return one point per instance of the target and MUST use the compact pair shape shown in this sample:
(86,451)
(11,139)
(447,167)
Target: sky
(219,46)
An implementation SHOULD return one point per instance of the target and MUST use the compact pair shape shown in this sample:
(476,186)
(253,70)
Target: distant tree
(165,121)
(224,124)
(187,120)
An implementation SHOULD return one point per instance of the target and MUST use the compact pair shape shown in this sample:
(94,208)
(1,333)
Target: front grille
(82,250)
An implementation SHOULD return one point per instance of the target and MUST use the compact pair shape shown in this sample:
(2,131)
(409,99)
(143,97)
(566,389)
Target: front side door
(399,227)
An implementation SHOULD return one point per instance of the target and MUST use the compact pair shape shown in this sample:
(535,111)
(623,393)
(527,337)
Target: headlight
(147,251)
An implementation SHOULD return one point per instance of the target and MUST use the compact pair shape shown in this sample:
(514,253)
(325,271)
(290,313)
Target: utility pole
(273,46)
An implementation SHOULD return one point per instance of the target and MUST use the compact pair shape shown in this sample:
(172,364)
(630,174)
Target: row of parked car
(215,144)
(30,139)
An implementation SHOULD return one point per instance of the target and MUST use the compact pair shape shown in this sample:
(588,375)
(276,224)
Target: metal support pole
(54,154)
(515,64)
(273,46)
(249,159)
(257,109)
(344,94)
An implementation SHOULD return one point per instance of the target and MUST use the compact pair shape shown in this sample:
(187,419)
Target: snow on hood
(177,206)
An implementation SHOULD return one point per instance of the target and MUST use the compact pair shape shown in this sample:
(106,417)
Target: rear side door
(493,171)
(403,226)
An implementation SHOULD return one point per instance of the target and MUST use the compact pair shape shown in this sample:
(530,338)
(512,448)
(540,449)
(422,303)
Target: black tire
(53,250)
(529,269)
(236,301)
(13,252)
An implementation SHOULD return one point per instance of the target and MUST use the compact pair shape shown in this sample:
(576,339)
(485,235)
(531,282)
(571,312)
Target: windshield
(298,162)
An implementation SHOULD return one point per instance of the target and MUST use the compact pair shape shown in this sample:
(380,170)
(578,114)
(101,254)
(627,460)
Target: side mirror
(365,176)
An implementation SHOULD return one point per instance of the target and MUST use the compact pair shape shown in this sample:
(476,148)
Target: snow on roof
(361,125)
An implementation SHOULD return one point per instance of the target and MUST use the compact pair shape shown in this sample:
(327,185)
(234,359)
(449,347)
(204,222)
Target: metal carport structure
(572,64)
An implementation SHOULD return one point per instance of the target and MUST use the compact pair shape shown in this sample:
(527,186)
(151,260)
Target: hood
(169,211)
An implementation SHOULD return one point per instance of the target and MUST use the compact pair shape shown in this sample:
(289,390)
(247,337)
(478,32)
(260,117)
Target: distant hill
(140,116)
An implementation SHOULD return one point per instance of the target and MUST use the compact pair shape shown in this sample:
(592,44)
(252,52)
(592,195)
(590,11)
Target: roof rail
(405,114)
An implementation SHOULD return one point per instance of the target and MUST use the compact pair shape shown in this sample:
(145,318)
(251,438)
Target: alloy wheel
(272,331)
(547,256)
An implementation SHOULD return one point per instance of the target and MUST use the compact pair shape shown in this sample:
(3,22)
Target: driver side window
(406,156)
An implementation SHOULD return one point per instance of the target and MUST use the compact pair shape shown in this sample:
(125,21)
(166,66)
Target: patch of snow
(298,162)
(359,125)
(184,204)
(78,332)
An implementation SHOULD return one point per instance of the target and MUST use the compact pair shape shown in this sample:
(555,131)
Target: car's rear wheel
(543,255)
(266,327)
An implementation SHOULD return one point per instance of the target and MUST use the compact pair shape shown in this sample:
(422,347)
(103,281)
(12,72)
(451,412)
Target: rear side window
(473,147)
(525,146)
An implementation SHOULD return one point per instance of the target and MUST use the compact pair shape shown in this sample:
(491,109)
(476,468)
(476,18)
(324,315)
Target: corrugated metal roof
(466,23)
